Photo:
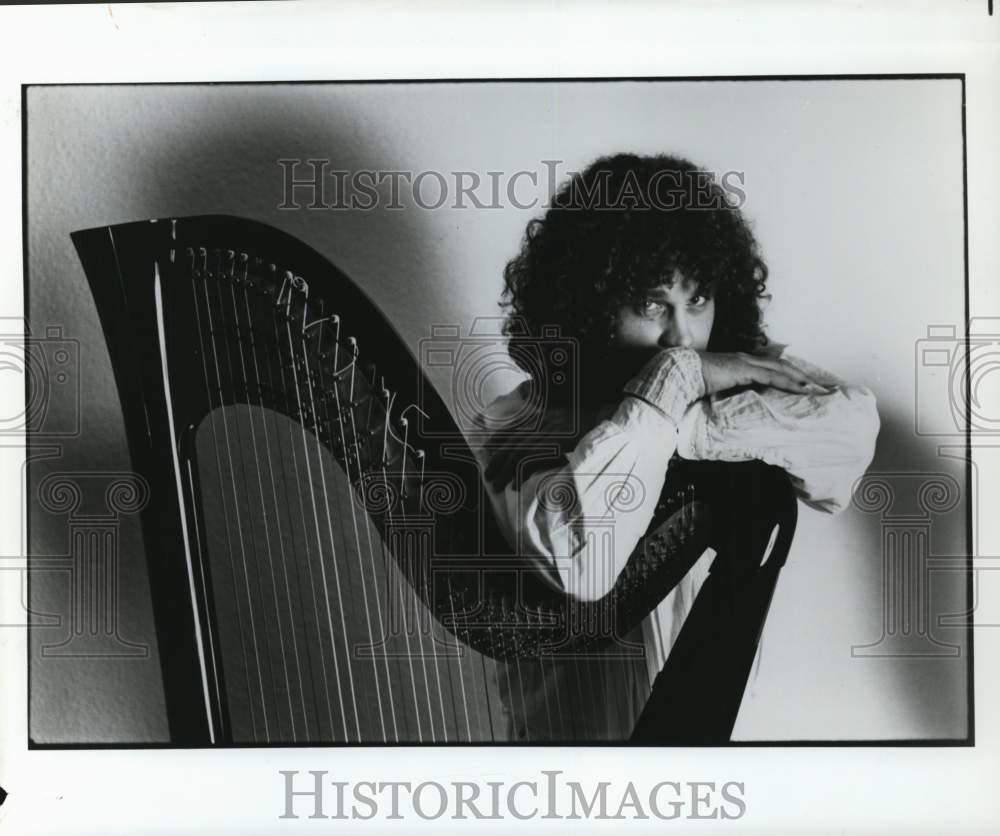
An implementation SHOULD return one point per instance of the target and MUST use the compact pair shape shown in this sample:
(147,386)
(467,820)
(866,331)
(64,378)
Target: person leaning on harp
(661,294)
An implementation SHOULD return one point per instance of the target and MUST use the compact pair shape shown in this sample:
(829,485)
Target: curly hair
(618,229)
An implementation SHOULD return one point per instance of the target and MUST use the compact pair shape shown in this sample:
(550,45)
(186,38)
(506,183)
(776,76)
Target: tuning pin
(243,268)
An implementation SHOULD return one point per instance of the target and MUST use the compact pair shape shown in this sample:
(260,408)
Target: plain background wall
(855,191)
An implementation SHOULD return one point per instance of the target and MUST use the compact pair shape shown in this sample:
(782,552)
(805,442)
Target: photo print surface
(544,412)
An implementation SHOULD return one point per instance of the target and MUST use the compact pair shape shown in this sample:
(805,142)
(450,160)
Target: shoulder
(523,417)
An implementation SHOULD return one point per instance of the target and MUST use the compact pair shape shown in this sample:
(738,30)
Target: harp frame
(131,302)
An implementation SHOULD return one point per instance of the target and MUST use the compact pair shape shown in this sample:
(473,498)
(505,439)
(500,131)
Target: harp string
(462,655)
(212,654)
(240,334)
(367,524)
(205,335)
(425,580)
(545,687)
(240,276)
(418,580)
(520,676)
(421,579)
(311,369)
(424,571)
(400,583)
(297,525)
(487,687)
(208,617)
(230,335)
(263,340)
(503,672)
(564,716)
(451,603)
(313,378)
(286,294)
(388,658)
(338,420)
(287,393)
(338,405)
(387,460)
(216,398)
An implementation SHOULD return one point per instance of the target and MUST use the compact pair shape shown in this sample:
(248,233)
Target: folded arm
(824,441)
(582,517)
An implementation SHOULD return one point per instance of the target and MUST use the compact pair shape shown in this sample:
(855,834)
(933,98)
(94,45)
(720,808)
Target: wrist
(671,381)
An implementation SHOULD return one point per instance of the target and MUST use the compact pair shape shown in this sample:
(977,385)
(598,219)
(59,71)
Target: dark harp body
(323,563)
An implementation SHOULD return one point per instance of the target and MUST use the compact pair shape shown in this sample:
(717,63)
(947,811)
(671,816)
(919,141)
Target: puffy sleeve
(823,441)
(582,518)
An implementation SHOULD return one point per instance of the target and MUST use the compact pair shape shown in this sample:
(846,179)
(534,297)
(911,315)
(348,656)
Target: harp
(322,563)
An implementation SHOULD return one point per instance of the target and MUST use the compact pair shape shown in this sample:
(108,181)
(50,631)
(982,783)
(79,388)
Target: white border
(788,790)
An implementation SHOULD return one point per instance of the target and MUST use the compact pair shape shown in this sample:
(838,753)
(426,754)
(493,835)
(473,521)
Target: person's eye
(650,308)
(698,300)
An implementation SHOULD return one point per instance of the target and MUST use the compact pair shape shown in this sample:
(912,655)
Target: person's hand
(723,371)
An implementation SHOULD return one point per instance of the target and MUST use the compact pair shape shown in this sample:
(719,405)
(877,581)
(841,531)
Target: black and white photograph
(595,432)
(528,419)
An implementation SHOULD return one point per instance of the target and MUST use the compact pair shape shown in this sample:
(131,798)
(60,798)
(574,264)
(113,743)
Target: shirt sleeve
(824,441)
(582,520)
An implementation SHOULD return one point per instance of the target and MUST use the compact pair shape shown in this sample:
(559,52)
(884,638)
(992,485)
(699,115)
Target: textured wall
(855,190)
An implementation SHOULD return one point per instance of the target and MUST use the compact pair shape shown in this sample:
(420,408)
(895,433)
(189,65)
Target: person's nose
(677,332)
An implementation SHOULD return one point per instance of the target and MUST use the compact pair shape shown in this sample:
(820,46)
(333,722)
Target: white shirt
(823,441)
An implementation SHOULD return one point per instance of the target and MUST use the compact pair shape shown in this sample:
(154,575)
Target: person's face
(677,315)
